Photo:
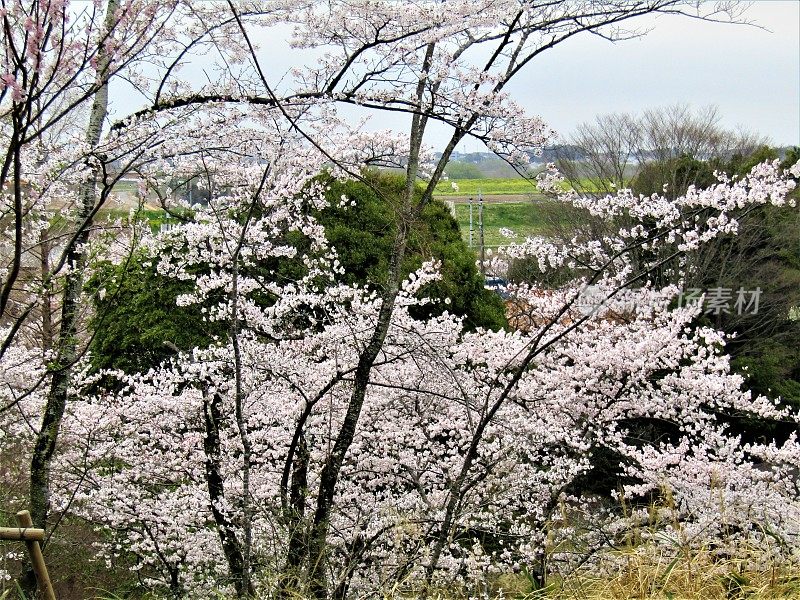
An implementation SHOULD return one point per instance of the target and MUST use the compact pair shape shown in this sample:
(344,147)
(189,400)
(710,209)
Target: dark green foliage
(137,323)
(681,172)
(791,157)
(363,236)
(677,174)
(774,371)
(768,342)
(764,255)
(741,165)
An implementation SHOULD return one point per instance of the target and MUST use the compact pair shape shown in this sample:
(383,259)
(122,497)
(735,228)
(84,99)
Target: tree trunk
(67,344)
(291,578)
(329,476)
(48,331)
(231,546)
(330,471)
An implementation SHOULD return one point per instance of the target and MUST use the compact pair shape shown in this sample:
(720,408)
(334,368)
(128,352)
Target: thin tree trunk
(48,332)
(231,546)
(329,476)
(291,580)
(14,162)
(67,344)
(247,589)
(331,469)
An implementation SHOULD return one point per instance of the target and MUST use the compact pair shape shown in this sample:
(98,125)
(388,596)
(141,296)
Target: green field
(489,187)
(500,187)
(523,218)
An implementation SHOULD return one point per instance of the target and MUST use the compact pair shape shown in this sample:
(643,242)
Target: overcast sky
(752,74)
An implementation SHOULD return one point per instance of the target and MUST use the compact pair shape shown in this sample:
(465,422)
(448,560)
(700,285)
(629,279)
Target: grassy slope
(523,218)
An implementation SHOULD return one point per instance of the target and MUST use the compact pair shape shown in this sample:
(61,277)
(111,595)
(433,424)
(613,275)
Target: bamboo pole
(20,534)
(35,554)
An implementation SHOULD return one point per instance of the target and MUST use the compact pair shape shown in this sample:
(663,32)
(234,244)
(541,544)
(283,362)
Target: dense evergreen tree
(138,324)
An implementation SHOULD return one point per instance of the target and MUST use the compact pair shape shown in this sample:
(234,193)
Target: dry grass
(633,574)
(698,576)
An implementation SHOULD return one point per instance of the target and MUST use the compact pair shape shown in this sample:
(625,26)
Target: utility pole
(470,222)
(480,229)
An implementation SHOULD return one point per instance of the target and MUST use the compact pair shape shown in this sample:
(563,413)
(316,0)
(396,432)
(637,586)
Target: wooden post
(32,537)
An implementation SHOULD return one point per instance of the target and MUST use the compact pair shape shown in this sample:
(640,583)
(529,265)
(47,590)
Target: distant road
(125,196)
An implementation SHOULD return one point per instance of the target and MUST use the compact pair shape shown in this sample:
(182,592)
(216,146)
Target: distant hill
(480,165)
(487,165)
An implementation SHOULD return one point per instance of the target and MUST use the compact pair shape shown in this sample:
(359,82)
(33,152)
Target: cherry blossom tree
(419,60)
(57,62)
(59,169)
(61,162)
(472,445)
(275,433)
